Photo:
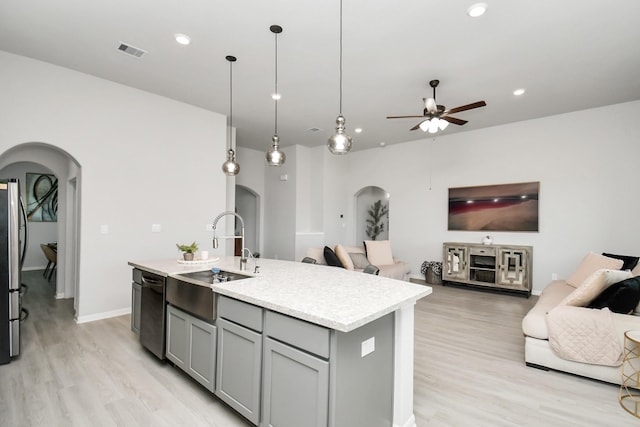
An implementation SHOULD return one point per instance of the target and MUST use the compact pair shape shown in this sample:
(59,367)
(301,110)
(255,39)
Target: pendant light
(340,142)
(275,157)
(230,166)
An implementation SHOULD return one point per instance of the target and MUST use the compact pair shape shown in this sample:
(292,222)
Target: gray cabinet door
(202,353)
(295,387)
(238,370)
(191,346)
(136,292)
(177,337)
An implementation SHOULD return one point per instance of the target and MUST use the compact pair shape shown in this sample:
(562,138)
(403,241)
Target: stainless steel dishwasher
(152,311)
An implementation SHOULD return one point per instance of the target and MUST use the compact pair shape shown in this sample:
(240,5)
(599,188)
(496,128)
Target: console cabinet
(191,346)
(506,267)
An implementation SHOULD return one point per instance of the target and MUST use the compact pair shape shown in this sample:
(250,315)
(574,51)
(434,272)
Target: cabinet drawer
(240,312)
(482,251)
(298,333)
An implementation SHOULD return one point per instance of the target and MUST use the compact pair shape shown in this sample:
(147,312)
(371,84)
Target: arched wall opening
(45,158)
(365,198)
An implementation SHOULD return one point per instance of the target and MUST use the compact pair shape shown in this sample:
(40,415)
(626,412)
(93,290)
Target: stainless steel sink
(207,276)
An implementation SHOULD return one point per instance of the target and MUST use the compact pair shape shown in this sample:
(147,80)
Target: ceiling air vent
(131,50)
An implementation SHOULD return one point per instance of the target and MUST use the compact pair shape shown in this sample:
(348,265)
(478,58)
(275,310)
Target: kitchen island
(369,323)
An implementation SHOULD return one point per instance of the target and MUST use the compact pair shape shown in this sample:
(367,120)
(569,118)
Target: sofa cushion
(360,261)
(331,257)
(534,323)
(378,252)
(343,256)
(621,297)
(593,285)
(629,262)
(590,263)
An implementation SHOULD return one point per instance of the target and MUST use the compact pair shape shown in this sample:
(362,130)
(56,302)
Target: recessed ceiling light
(519,92)
(477,9)
(382,144)
(276,96)
(183,39)
(357,130)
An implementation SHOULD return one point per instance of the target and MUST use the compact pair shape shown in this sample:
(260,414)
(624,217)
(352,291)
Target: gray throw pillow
(360,261)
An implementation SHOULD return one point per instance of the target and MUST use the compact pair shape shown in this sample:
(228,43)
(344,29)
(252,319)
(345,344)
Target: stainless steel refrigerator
(13,247)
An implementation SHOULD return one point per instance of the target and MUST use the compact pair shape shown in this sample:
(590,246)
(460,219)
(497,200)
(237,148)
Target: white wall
(38,232)
(145,160)
(252,164)
(586,163)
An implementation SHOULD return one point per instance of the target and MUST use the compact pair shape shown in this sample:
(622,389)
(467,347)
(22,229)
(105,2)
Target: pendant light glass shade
(340,142)
(230,167)
(274,156)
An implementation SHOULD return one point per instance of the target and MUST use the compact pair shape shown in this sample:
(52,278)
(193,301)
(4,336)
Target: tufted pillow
(590,263)
(378,252)
(343,256)
(629,262)
(597,282)
(621,297)
(331,257)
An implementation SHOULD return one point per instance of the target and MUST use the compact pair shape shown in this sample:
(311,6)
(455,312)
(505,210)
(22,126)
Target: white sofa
(350,259)
(539,352)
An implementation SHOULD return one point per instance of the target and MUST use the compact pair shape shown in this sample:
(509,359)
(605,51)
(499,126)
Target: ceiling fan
(437,116)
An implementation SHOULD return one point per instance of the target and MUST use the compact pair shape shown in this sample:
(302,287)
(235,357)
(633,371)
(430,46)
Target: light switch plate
(156,228)
(368,346)
(104,229)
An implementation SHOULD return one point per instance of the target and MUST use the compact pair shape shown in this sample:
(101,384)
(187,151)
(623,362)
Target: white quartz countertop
(329,296)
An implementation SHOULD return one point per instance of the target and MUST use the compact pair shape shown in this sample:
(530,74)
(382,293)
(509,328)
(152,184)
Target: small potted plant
(188,250)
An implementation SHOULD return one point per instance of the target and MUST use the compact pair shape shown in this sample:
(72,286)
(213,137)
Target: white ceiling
(569,55)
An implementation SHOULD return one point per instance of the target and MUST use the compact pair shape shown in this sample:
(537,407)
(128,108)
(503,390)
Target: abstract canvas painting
(504,207)
(42,197)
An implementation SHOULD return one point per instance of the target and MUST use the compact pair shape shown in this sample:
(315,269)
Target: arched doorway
(248,207)
(46,158)
(365,201)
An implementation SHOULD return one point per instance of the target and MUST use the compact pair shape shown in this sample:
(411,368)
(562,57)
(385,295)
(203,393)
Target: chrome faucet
(243,260)
(256,267)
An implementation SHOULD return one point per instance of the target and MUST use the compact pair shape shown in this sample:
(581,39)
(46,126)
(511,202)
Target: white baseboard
(101,316)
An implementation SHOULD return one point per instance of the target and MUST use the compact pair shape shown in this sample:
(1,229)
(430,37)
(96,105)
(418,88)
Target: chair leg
(51,271)
(46,270)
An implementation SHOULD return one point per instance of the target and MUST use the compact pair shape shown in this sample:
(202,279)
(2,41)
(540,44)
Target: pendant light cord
(276,94)
(340,57)
(230,103)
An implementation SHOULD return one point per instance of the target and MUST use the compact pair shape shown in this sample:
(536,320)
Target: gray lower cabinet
(295,387)
(191,346)
(239,362)
(136,293)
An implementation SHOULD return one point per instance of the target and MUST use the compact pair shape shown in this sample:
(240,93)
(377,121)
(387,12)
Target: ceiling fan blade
(418,125)
(404,117)
(466,107)
(454,120)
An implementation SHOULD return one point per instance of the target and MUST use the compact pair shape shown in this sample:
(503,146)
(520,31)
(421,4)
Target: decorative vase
(188,256)
(487,240)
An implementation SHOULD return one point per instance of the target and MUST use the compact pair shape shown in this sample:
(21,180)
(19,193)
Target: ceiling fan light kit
(230,167)
(274,156)
(437,117)
(340,142)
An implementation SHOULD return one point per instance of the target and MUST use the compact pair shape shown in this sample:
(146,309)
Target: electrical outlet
(156,228)
(368,346)
(554,276)
(104,229)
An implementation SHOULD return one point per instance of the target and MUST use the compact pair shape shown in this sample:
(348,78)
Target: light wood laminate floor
(469,371)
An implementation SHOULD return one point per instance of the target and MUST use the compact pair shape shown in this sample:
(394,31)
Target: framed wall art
(503,207)
(42,197)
